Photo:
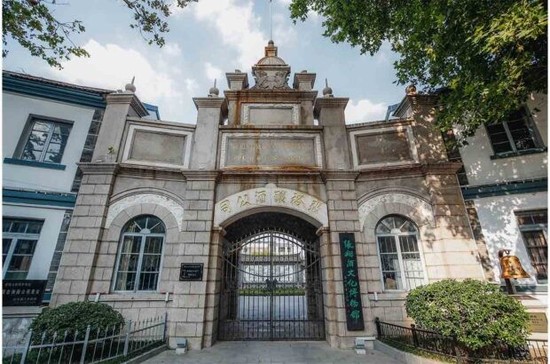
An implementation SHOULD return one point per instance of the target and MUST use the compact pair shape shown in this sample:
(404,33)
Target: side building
(48,128)
(505,188)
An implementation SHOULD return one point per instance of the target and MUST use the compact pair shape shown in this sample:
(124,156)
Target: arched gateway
(271,280)
(272,201)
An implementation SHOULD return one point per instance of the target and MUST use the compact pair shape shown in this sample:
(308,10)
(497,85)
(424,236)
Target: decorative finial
(327,91)
(213,92)
(130,86)
(410,90)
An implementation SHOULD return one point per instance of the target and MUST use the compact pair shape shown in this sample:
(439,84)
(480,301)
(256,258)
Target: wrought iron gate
(271,289)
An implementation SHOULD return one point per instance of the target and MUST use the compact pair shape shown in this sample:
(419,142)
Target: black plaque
(22,292)
(191,271)
(352,289)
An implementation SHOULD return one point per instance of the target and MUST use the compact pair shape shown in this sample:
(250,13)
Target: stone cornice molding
(99,168)
(210,103)
(379,124)
(409,170)
(415,101)
(240,78)
(330,102)
(266,128)
(331,175)
(441,167)
(147,171)
(130,99)
(271,96)
(200,175)
(303,171)
(304,78)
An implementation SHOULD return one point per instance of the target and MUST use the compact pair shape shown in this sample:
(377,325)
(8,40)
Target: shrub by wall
(476,313)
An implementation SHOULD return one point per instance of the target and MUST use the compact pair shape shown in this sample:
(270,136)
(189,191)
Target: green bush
(476,313)
(77,316)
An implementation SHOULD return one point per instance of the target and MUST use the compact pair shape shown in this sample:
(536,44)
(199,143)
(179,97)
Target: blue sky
(206,40)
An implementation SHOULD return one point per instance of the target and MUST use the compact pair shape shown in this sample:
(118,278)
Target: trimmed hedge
(476,313)
(77,316)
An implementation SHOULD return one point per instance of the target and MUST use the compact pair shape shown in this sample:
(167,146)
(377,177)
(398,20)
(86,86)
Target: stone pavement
(274,352)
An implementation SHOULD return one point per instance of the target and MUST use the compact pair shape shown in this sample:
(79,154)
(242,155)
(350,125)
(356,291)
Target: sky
(206,40)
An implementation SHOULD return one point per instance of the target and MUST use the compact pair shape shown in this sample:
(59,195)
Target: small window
(46,141)
(515,135)
(140,252)
(400,259)
(19,240)
(534,230)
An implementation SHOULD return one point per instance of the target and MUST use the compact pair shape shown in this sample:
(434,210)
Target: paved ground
(248,352)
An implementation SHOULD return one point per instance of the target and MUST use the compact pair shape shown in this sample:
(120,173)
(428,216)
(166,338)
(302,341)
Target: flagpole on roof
(270,19)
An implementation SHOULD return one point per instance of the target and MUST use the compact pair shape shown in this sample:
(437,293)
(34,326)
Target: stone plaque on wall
(271,114)
(383,147)
(538,322)
(271,149)
(158,147)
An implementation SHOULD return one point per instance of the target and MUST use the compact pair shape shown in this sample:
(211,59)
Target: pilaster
(119,107)
(85,233)
(344,218)
(330,113)
(211,112)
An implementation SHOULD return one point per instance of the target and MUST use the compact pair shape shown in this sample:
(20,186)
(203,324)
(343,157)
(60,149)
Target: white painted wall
(45,247)
(482,170)
(501,231)
(15,114)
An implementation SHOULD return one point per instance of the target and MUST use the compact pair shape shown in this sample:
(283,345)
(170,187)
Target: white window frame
(15,237)
(143,236)
(396,236)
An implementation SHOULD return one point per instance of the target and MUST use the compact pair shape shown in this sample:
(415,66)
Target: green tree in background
(488,56)
(32,24)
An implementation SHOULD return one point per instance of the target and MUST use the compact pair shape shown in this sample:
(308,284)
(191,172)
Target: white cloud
(212,72)
(365,110)
(172,49)
(111,66)
(191,86)
(237,26)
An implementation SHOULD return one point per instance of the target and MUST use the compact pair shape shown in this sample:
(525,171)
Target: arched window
(139,254)
(400,259)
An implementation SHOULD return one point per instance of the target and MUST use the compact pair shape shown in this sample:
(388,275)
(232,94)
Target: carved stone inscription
(270,151)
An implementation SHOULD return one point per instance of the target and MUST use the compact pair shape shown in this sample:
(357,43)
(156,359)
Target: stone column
(109,141)
(237,81)
(211,112)
(453,234)
(344,218)
(196,241)
(77,265)
(213,288)
(330,112)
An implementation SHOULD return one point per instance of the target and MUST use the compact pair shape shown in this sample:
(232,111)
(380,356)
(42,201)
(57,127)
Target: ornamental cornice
(99,168)
(330,102)
(210,103)
(271,96)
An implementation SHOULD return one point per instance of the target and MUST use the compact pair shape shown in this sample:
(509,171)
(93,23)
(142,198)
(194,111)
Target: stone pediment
(271,72)
(271,79)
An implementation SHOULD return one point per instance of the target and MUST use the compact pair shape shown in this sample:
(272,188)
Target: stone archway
(271,281)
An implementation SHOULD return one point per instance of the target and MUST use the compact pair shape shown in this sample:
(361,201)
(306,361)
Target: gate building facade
(257,194)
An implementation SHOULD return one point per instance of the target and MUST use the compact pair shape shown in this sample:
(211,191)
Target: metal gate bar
(271,289)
